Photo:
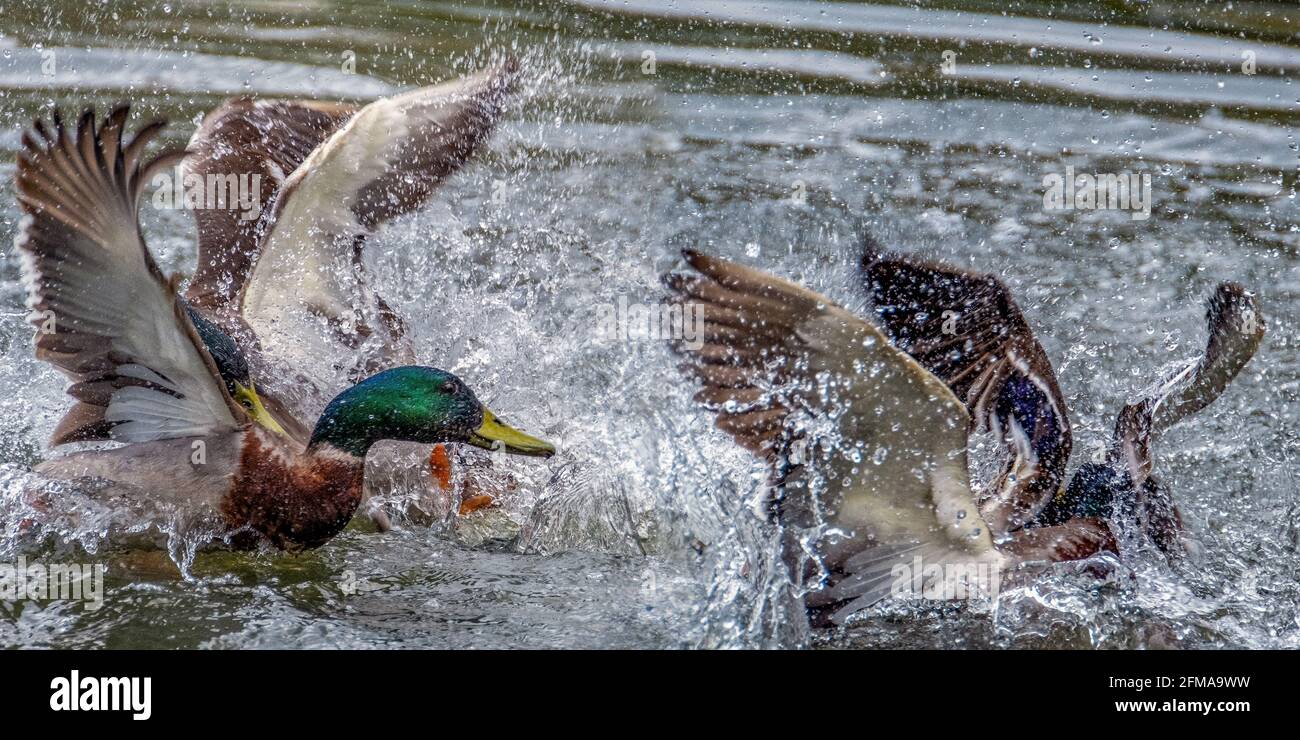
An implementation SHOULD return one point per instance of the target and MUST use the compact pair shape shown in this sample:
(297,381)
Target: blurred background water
(761,131)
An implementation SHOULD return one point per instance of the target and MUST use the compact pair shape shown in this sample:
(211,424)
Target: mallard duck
(865,422)
(1125,482)
(108,318)
(291,286)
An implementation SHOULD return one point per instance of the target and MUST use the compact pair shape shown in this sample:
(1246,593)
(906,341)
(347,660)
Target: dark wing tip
(715,269)
(1230,289)
(694,257)
(39,126)
(1232,307)
(493,84)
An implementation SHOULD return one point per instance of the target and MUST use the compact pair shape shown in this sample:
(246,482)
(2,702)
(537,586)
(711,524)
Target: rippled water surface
(764,133)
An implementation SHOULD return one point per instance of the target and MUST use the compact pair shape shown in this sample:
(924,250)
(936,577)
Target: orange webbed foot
(440,467)
(474,503)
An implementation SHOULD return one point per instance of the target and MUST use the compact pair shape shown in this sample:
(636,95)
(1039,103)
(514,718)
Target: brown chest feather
(296,501)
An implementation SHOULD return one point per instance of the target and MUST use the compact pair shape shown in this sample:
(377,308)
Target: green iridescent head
(417,404)
(233,367)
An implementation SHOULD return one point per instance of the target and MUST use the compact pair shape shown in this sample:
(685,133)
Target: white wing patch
(309,295)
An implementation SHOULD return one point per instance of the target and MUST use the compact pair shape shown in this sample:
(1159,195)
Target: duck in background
(966,328)
(865,423)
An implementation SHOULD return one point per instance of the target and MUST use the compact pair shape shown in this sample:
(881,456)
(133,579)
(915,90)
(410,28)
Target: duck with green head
(326,177)
(143,374)
(314,494)
(264,297)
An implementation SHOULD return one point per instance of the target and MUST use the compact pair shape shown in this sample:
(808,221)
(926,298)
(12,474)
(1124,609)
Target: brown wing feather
(246,137)
(436,149)
(1235,325)
(105,314)
(967,329)
(1076,539)
(814,389)
(273,138)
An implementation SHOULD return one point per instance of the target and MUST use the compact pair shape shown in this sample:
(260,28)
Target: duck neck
(294,501)
(356,443)
(351,423)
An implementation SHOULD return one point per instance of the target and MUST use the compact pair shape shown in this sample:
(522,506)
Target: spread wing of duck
(1235,325)
(105,315)
(330,174)
(966,328)
(784,368)
(242,138)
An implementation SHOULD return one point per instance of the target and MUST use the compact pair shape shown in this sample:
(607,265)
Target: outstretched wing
(797,379)
(967,329)
(1236,327)
(383,162)
(104,313)
(254,144)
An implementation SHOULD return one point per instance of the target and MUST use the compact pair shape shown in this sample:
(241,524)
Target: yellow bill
(492,434)
(247,397)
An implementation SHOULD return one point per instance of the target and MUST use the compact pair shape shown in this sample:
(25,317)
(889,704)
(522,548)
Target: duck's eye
(448,387)
(246,403)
